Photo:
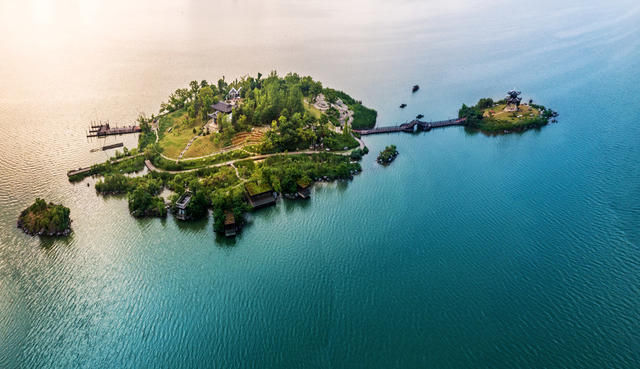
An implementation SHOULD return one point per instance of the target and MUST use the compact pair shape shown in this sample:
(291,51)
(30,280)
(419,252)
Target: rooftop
(304,182)
(254,188)
(222,107)
(229,219)
(183,201)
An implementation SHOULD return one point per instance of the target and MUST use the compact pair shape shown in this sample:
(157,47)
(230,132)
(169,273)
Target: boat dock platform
(102,130)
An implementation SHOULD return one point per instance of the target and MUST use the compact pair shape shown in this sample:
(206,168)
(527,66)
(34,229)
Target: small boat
(402,106)
(415,88)
(419,116)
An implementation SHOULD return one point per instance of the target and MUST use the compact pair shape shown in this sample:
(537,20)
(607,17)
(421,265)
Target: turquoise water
(516,251)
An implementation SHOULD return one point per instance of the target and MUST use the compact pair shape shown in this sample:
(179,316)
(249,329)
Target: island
(238,146)
(234,147)
(386,156)
(42,218)
(506,115)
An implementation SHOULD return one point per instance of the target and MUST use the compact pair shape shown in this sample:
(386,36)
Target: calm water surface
(518,251)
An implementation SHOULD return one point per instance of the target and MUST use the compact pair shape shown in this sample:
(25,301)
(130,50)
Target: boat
(402,106)
(419,116)
(415,88)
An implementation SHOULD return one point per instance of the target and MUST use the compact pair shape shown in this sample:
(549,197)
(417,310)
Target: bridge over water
(410,127)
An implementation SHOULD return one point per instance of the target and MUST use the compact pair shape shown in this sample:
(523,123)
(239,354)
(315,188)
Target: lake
(513,251)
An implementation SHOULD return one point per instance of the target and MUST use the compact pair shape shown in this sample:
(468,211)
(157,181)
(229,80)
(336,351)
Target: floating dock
(102,130)
(108,147)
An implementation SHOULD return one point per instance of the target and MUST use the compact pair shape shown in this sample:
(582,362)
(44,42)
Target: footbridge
(411,126)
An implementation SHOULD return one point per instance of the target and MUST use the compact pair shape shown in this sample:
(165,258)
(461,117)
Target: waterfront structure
(260,196)
(230,227)
(103,130)
(304,188)
(181,206)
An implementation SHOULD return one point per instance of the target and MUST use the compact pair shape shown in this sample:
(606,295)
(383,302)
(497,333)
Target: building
(260,195)
(222,107)
(304,188)
(230,228)
(181,206)
(513,100)
(234,94)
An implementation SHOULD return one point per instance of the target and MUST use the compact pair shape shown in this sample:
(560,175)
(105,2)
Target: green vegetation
(255,187)
(176,130)
(141,192)
(387,155)
(278,105)
(490,116)
(339,142)
(165,164)
(144,204)
(147,135)
(134,164)
(357,154)
(270,116)
(283,171)
(363,117)
(45,219)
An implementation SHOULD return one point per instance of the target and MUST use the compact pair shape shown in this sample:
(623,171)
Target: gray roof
(184,200)
(222,107)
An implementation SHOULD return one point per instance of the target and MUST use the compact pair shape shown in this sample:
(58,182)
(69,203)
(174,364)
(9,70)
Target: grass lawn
(203,145)
(526,111)
(172,143)
(312,110)
(496,119)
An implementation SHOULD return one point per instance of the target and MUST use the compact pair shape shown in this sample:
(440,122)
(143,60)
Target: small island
(506,115)
(387,155)
(42,218)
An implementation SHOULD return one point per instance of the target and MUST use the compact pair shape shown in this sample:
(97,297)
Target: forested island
(42,218)
(506,115)
(386,156)
(233,147)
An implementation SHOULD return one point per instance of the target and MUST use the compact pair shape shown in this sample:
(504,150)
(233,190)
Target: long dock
(410,127)
(102,130)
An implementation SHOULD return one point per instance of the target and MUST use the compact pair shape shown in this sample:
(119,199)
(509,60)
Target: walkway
(410,127)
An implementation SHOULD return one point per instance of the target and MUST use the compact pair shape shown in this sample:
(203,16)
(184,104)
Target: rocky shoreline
(45,219)
(43,232)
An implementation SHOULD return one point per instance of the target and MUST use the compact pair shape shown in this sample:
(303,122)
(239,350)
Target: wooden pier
(104,129)
(411,126)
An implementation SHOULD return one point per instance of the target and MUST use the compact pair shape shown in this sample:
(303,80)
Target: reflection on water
(468,251)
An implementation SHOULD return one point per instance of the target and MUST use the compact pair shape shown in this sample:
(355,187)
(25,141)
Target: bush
(363,117)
